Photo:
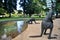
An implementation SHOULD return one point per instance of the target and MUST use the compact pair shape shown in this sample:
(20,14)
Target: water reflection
(12,28)
(20,26)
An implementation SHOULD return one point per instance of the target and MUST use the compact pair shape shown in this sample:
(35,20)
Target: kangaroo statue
(47,23)
(31,21)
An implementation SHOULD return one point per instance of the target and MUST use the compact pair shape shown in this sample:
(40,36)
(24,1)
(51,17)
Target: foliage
(58,6)
(2,11)
(19,11)
(32,6)
(8,5)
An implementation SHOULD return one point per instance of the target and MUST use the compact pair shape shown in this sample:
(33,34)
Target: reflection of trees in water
(7,25)
(1,23)
(2,28)
(20,25)
(12,26)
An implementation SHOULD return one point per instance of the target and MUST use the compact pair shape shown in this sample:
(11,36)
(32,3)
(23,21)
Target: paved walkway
(35,30)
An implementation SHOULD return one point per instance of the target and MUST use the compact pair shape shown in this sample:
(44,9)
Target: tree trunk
(9,15)
(30,15)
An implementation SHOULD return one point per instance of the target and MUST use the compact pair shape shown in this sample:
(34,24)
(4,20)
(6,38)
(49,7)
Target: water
(8,28)
(20,26)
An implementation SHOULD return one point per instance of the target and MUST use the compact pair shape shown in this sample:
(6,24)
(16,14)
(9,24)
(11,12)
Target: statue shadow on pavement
(36,36)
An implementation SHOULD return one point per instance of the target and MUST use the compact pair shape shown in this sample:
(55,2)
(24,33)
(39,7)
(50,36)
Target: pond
(12,28)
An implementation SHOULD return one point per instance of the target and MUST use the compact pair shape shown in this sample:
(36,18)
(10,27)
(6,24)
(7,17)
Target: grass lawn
(17,18)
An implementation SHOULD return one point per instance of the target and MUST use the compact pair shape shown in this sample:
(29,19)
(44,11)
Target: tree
(58,5)
(2,10)
(31,6)
(8,5)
